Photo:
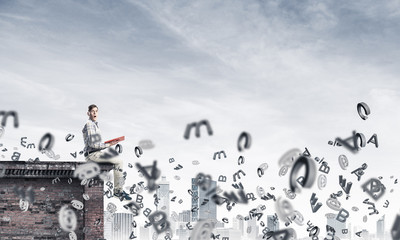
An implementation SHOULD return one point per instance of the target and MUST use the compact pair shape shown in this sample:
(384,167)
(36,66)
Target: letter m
(197,130)
(5,116)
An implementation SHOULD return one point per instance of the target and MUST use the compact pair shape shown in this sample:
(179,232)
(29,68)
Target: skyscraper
(350,232)
(144,233)
(184,216)
(183,232)
(271,224)
(195,200)
(207,209)
(230,233)
(365,234)
(338,226)
(121,226)
(252,228)
(238,224)
(380,228)
(163,195)
(108,229)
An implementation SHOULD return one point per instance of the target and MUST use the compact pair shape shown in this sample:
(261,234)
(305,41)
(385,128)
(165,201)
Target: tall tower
(252,228)
(122,226)
(380,228)
(207,209)
(195,200)
(182,232)
(108,227)
(163,194)
(271,224)
(350,234)
(238,224)
(184,216)
(338,226)
(144,233)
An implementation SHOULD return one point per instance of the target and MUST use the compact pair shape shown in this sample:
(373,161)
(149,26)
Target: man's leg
(97,157)
(118,175)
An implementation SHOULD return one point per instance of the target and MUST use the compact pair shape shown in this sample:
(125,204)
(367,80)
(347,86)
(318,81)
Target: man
(94,145)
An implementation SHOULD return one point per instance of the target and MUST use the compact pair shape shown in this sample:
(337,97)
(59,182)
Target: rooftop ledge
(50,169)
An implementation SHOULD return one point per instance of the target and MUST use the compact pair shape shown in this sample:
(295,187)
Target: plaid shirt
(92,137)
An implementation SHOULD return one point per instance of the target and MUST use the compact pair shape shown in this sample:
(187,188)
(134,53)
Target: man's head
(92,112)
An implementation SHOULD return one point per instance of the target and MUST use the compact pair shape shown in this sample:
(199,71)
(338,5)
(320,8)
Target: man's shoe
(122,195)
(117,192)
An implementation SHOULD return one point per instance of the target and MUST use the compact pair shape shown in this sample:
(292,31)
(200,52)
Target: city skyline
(237,230)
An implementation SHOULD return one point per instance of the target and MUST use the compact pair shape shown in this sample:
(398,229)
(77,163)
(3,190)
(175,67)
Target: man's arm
(94,139)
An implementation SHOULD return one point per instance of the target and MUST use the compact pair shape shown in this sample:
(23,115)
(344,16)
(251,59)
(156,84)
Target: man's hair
(91,107)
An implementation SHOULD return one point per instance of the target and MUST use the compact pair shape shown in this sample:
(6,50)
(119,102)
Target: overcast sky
(289,73)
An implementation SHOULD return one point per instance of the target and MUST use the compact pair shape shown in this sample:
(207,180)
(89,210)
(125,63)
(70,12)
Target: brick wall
(40,221)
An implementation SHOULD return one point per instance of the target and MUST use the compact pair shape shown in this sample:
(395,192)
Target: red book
(119,139)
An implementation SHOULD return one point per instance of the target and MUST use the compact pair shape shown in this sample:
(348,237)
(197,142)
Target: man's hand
(113,142)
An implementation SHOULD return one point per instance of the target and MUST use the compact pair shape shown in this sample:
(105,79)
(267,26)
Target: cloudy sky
(289,73)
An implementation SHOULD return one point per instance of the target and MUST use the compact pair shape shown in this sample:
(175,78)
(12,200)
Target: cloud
(290,74)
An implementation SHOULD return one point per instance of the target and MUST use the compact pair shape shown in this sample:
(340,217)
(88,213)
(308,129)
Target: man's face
(93,114)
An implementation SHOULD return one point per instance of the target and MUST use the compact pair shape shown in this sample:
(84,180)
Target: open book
(119,139)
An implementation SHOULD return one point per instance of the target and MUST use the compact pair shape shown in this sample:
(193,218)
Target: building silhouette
(163,195)
(239,225)
(271,224)
(252,228)
(195,200)
(184,216)
(338,226)
(380,228)
(183,232)
(230,233)
(350,232)
(202,201)
(120,227)
(108,228)
(144,233)
(365,234)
